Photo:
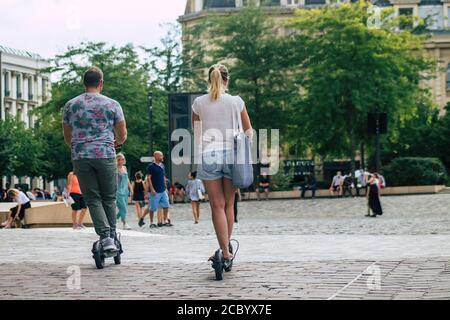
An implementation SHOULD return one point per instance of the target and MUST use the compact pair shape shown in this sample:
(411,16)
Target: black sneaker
(141,222)
(153,226)
(160,225)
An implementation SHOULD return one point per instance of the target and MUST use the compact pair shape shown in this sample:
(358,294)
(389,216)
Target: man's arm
(121,133)
(150,184)
(67,128)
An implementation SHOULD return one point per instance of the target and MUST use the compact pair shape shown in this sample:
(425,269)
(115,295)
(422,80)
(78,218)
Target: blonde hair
(217,77)
(13,193)
(120,156)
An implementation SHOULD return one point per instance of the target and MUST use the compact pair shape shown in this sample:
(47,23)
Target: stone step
(446,191)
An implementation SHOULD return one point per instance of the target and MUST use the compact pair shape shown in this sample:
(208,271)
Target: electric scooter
(100,255)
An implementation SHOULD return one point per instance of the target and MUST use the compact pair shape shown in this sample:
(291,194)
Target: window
(433,15)
(270,3)
(407,22)
(44,89)
(30,88)
(292,2)
(18,86)
(308,2)
(448,76)
(219,4)
(7,90)
(19,114)
(448,16)
(30,118)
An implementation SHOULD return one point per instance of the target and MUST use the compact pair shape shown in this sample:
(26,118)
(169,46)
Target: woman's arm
(246,123)
(69,182)
(19,206)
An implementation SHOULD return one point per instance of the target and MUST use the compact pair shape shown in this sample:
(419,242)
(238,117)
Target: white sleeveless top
(217,120)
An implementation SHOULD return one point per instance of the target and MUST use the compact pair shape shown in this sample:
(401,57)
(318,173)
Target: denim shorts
(160,200)
(216,164)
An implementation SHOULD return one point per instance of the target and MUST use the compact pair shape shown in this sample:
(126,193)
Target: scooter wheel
(98,257)
(118,259)
(99,260)
(218,265)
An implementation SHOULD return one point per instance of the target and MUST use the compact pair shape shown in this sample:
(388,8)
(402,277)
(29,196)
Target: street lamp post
(150,116)
(377,128)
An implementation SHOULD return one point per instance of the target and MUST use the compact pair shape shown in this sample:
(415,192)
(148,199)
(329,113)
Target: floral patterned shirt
(92,117)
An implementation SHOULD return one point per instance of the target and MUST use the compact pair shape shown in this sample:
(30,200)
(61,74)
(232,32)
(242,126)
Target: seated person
(17,213)
(348,185)
(263,186)
(336,184)
(38,194)
(311,184)
(180,191)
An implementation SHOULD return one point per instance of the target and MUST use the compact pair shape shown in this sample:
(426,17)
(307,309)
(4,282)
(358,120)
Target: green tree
(126,80)
(350,70)
(262,65)
(165,67)
(20,151)
(55,157)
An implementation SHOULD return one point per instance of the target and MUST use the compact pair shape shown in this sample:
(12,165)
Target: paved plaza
(290,249)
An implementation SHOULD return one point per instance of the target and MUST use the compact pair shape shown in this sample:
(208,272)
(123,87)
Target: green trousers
(97,178)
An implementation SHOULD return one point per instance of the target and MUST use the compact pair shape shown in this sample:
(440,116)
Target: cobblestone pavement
(292,249)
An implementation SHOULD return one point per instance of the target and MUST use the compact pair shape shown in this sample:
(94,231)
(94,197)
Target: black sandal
(229,265)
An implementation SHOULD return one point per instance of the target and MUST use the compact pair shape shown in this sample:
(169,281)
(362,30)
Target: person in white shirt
(31,196)
(214,118)
(337,183)
(195,190)
(17,213)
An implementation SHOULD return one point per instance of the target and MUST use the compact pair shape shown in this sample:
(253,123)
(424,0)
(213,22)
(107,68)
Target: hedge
(412,171)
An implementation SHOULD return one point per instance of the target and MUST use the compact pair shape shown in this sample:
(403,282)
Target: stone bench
(45,214)
(325,193)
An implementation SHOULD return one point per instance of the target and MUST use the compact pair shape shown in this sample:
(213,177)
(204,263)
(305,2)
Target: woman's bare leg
(74,217)
(194,211)
(198,210)
(82,215)
(138,210)
(229,191)
(217,202)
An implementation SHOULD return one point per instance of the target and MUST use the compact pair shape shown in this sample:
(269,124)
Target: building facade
(438,12)
(23,88)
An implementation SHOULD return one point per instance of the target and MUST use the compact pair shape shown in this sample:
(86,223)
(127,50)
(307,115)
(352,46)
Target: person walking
(79,205)
(94,125)
(195,189)
(138,187)
(17,214)
(158,196)
(373,197)
(214,115)
(124,190)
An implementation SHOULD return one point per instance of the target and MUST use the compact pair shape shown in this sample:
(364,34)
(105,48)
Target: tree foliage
(349,70)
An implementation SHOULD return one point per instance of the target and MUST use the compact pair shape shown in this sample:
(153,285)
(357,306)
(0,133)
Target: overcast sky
(47,27)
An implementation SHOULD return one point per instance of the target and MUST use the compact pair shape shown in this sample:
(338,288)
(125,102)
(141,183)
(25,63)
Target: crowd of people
(96,164)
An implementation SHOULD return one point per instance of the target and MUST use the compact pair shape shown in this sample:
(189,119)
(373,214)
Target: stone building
(23,88)
(438,11)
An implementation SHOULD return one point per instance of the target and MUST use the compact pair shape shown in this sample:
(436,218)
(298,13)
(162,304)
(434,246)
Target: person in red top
(79,205)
